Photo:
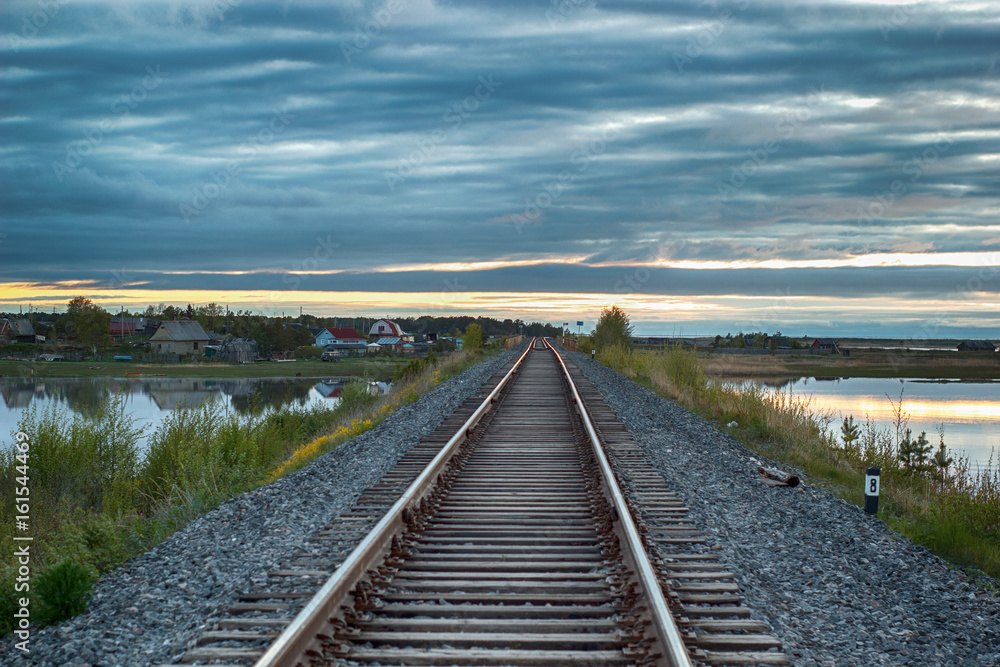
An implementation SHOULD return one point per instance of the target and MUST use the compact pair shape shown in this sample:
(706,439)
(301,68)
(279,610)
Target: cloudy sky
(814,167)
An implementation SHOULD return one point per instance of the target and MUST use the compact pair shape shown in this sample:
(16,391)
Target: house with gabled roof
(385,329)
(17,330)
(337,336)
(825,345)
(179,337)
(976,346)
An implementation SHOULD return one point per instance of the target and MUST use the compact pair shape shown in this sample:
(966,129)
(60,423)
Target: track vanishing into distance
(529,529)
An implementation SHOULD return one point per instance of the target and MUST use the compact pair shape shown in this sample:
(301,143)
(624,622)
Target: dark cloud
(205,136)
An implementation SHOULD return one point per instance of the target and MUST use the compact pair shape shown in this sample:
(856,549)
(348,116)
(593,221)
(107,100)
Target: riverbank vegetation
(928,495)
(944,505)
(97,498)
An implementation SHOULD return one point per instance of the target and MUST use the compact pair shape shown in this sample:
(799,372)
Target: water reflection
(969,411)
(148,400)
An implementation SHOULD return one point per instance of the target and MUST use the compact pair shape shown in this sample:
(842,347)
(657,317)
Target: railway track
(536,534)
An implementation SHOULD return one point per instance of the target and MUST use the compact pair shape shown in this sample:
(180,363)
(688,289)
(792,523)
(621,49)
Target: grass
(953,511)
(378,368)
(97,499)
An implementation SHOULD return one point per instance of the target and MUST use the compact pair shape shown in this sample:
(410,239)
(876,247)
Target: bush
(62,591)
(613,329)
(473,339)
(356,397)
(308,352)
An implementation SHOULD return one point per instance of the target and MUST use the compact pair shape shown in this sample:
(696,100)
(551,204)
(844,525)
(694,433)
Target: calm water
(149,400)
(968,410)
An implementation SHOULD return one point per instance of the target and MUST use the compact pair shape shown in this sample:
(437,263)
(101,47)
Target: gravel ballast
(837,586)
(147,611)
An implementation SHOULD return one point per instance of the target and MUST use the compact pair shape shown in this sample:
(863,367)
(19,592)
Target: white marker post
(871,490)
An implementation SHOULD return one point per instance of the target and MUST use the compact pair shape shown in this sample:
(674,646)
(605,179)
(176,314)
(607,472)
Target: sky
(818,168)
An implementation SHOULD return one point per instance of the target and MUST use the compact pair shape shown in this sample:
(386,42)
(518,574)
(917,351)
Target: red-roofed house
(385,329)
(336,335)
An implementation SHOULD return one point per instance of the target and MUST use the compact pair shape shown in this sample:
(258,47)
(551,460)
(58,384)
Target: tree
(613,328)
(850,432)
(913,454)
(473,339)
(90,323)
(941,459)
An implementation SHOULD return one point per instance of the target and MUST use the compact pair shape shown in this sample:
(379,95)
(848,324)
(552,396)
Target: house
(238,351)
(825,346)
(337,335)
(355,349)
(385,329)
(150,328)
(127,326)
(976,346)
(390,342)
(778,342)
(17,330)
(179,337)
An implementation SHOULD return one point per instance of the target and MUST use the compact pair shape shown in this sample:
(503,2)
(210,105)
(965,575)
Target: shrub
(62,591)
(613,329)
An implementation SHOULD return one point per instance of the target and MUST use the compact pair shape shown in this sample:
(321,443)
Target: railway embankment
(837,586)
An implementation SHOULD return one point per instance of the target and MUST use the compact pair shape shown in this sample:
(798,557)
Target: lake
(150,399)
(968,410)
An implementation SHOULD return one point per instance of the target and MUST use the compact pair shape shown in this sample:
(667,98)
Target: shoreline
(922,365)
(377,368)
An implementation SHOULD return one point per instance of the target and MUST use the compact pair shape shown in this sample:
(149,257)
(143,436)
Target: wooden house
(976,346)
(17,330)
(238,351)
(825,346)
(385,329)
(179,337)
(338,335)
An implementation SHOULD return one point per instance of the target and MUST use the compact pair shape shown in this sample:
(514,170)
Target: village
(213,334)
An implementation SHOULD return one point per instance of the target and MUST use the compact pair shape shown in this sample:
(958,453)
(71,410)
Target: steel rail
(292,643)
(675,652)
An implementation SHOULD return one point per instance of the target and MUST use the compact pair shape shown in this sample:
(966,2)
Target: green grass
(97,499)
(955,514)
(377,368)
